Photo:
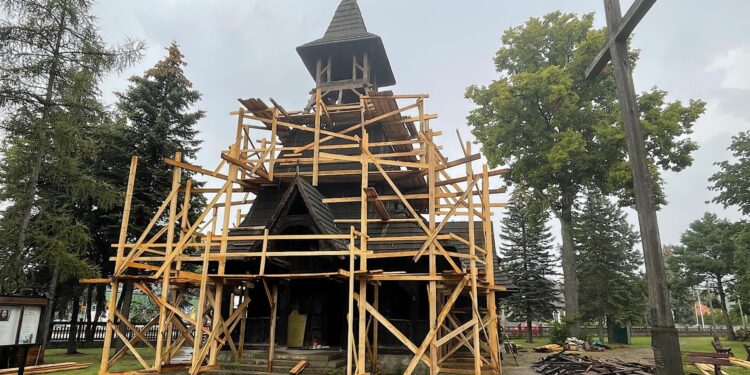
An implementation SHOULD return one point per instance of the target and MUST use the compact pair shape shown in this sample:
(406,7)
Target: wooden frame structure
(157,263)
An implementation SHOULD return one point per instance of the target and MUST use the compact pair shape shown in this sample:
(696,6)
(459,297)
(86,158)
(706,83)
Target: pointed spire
(347,22)
(347,34)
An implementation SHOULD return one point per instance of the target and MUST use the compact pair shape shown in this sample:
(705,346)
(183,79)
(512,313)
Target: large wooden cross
(664,336)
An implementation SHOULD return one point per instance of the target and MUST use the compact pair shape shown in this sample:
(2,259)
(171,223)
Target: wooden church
(339,226)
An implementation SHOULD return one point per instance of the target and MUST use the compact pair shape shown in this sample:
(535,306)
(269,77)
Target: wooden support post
(272,326)
(165,287)
(198,335)
(350,313)
(272,152)
(219,282)
(489,258)
(374,345)
(432,201)
(112,304)
(473,269)
(243,323)
(362,332)
(316,141)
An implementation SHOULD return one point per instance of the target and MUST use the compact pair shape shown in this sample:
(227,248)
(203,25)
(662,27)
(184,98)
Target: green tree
(159,122)
(742,263)
(47,49)
(732,181)
(526,258)
(708,249)
(607,264)
(560,133)
(681,288)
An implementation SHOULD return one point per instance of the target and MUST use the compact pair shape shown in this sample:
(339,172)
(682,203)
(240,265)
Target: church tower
(348,60)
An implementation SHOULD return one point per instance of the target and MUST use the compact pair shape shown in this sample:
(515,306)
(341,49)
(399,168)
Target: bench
(718,348)
(704,361)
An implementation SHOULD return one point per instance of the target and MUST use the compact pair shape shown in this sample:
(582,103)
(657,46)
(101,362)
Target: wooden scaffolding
(186,258)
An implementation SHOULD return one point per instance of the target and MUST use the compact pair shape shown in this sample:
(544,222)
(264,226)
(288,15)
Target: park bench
(718,348)
(704,361)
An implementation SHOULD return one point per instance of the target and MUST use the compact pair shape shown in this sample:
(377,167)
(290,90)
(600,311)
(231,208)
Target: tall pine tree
(50,53)
(610,287)
(159,122)
(527,259)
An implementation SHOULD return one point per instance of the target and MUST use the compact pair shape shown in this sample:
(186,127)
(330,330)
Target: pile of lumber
(549,348)
(707,369)
(51,368)
(568,363)
(739,362)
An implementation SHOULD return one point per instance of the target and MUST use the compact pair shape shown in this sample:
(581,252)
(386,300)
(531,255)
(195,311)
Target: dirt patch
(526,359)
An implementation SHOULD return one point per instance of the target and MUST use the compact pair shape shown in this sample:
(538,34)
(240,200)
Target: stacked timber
(567,363)
(51,368)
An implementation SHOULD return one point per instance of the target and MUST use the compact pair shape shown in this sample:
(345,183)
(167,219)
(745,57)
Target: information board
(9,318)
(29,324)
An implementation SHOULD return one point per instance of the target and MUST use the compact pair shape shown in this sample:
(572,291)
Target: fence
(545,331)
(258,331)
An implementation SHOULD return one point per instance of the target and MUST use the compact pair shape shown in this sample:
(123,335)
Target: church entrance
(314,309)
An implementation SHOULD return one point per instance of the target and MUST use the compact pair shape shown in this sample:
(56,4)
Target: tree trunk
(600,329)
(529,334)
(51,292)
(73,331)
(126,300)
(724,311)
(568,260)
(89,301)
(610,330)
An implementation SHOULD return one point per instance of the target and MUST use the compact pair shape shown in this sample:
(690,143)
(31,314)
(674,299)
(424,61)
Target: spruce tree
(160,121)
(610,287)
(527,259)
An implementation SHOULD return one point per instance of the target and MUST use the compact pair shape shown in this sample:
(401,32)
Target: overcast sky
(691,48)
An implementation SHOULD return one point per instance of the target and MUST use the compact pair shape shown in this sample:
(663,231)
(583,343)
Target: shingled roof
(347,24)
(347,32)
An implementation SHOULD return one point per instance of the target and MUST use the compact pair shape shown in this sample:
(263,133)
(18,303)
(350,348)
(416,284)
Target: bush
(558,333)
(742,334)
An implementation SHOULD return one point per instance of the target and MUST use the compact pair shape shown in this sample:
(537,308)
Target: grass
(94,356)
(687,344)
(128,362)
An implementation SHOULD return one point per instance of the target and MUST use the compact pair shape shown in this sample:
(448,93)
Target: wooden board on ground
(298,367)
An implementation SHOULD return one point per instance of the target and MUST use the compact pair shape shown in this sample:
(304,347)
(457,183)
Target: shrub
(742,334)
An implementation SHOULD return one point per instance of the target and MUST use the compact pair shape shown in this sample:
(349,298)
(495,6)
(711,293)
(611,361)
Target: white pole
(700,307)
(742,314)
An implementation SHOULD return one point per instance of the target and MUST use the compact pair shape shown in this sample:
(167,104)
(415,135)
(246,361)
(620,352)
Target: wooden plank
(272,329)
(372,197)
(298,367)
(316,138)
(112,304)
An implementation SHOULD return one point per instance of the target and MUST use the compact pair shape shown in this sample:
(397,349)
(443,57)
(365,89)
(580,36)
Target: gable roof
(322,217)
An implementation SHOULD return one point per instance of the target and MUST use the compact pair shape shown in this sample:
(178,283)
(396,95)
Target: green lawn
(94,356)
(687,344)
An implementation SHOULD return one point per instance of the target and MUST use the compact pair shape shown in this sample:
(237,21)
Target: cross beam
(664,335)
(619,33)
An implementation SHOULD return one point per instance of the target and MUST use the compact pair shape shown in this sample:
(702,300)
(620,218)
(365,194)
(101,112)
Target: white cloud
(734,65)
